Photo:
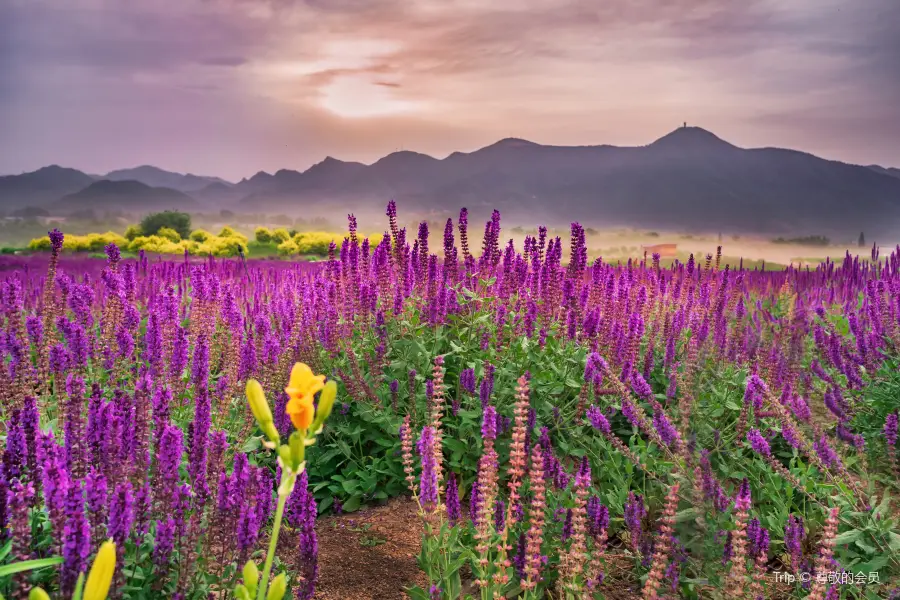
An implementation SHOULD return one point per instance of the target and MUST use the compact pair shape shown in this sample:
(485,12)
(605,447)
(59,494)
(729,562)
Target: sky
(232,87)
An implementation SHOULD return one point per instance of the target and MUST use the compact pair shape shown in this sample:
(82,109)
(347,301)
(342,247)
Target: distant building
(664,250)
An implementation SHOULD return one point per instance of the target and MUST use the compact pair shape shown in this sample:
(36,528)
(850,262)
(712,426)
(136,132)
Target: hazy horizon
(231,87)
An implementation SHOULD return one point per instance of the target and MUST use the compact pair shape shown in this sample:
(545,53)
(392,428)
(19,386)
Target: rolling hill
(40,187)
(156,177)
(125,196)
(689,179)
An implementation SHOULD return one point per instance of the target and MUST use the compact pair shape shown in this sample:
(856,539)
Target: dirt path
(370,554)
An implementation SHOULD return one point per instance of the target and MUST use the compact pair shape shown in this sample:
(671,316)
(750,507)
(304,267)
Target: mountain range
(687,179)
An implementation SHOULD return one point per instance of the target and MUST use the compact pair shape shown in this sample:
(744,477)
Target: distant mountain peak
(691,138)
(404,156)
(512,142)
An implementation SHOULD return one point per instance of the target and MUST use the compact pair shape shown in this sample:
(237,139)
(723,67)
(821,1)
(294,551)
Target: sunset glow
(357,79)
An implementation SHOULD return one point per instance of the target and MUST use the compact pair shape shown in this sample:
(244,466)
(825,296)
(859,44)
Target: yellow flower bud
(38,594)
(101,574)
(277,588)
(298,449)
(260,409)
(284,452)
(251,577)
(241,592)
(326,403)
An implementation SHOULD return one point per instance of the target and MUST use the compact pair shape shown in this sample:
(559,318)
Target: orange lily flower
(301,389)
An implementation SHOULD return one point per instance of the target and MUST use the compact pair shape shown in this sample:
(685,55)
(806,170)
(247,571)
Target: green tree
(263,235)
(173,219)
(132,232)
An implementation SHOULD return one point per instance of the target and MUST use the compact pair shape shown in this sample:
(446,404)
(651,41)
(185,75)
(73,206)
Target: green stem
(273,542)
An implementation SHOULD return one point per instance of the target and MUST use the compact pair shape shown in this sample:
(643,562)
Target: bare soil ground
(370,554)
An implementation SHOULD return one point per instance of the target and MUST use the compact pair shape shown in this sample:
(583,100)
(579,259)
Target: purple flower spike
(759,444)
(489,423)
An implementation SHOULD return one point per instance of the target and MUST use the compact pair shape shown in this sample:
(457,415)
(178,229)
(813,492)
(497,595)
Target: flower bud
(277,588)
(241,592)
(326,403)
(101,574)
(298,449)
(260,409)
(38,594)
(284,452)
(251,577)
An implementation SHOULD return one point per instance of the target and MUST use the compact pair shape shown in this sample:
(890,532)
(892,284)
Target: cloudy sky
(230,87)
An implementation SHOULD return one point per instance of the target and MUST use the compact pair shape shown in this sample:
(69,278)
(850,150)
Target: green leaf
(894,540)
(873,565)
(731,405)
(686,515)
(418,593)
(29,565)
(251,444)
(847,537)
(352,505)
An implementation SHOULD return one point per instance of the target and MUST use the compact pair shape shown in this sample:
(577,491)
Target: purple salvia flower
(567,526)
(489,423)
(826,453)
(854,439)
(164,544)
(598,420)
(890,429)
(499,515)
(755,392)
(794,534)
(728,550)
(452,499)
(143,505)
(247,530)
(121,514)
(759,443)
(641,387)
(474,502)
(56,484)
(742,499)
(296,503)
(169,453)
(487,385)
(665,429)
(519,559)
(467,380)
(199,445)
(428,492)
(753,531)
(630,413)
(200,366)
(96,496)
(800,409)
(634,514)
(790,436)
(56,240)
(76,546)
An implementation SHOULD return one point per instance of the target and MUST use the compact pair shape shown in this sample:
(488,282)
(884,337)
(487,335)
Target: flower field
(173,427)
